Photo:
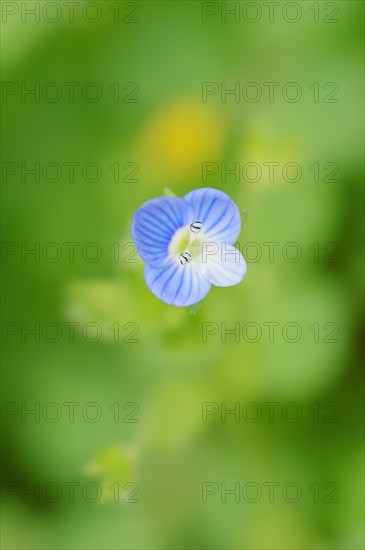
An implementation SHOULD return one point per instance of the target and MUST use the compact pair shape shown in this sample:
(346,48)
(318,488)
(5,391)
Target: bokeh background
(169,372)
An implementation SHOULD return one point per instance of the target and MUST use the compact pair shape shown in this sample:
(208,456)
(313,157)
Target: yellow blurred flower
(179,138)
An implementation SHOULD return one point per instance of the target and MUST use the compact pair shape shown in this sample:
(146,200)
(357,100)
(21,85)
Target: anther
(185,257)
(196,227)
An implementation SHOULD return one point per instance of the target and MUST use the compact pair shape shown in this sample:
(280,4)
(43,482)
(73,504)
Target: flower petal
(219,214)
(176,284)
(154,224)
(222,264)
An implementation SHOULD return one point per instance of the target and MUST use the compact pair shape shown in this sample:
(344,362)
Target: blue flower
(187,245)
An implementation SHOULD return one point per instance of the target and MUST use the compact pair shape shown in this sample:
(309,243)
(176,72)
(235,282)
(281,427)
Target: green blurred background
(170,372)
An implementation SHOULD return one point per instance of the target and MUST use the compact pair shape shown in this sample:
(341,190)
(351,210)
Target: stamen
(196,227)
(185,257)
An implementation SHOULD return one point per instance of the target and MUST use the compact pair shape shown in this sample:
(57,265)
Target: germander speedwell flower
(187,245)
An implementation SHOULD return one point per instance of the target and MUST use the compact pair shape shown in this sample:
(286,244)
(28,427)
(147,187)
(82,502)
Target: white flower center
(186,243)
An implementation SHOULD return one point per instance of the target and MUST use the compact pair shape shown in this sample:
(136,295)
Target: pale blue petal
(223,264)
(176,284)
(154,224)
(219,214)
